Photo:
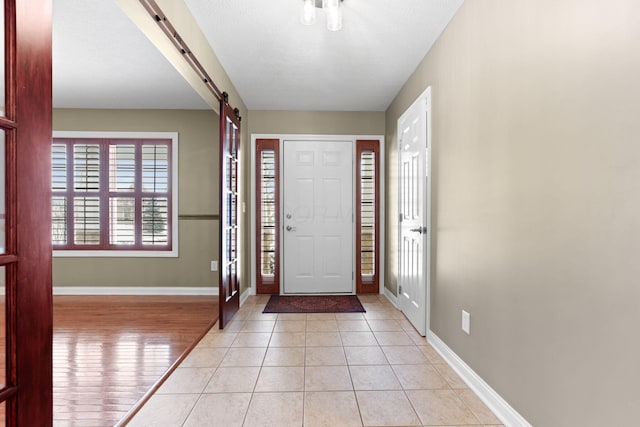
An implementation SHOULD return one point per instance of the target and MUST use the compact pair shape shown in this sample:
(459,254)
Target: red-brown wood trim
(71,226)
(31,202)
(370,286)
(7,259)
(137,227)
(103,193)
(6,123)
(8,393)
(11,211)
(228,281)
(270,285)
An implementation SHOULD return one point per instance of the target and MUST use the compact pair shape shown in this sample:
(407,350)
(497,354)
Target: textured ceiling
(275,62)
(101,60)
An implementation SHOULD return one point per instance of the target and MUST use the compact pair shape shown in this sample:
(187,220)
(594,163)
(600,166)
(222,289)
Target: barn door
(229,285)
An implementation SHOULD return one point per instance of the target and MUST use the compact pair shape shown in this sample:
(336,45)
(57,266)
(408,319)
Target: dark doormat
(314,304)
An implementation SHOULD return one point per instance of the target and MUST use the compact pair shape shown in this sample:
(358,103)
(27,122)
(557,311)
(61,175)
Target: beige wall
(536,193)
(198,196)
(317,122)
(183,21)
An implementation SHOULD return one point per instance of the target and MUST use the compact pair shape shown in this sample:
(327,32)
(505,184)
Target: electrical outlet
(214,265)
(466,322)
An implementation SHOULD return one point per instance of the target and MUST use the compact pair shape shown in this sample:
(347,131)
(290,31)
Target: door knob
(290,228)
(419,230)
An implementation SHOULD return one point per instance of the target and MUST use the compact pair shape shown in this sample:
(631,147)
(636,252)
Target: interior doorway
(414,205)
(318,217)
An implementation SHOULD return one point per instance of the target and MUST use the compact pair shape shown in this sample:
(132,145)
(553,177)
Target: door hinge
(400,217)
(399,289)
(353,275)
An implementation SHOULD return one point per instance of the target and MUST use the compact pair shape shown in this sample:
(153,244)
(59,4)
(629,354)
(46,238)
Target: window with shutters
(114,194)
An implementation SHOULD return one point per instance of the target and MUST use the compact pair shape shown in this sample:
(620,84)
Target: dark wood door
(229,284)
(25,213)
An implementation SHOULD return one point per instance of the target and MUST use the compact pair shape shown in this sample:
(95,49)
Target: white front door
(413,200)
(317,217)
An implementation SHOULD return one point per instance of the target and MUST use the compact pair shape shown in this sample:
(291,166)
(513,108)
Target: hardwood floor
(108,351)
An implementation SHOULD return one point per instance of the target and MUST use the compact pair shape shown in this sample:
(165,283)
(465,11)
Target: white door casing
(414,207)
(317,217)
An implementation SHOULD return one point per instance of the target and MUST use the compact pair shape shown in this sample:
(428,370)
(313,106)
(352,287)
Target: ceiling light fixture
(331,8)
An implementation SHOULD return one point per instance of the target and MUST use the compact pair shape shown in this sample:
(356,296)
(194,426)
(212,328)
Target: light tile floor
(338,370)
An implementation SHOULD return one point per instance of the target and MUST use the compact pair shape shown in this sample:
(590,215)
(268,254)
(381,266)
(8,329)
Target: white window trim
(173,253)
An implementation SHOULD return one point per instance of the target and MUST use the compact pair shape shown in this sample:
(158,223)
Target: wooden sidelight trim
(267,283)
(368,281)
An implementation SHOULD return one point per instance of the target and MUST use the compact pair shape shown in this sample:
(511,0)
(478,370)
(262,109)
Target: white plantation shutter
(86,200)
(86,166)
(367,213)
(155,211)
(155,168)
(122,167)
(267,213)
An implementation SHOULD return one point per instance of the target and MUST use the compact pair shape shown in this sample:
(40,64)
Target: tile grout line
(353,386)
(415,343)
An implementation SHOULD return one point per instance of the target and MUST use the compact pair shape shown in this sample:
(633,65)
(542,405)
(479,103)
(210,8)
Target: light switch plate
(466,322)
(214,265)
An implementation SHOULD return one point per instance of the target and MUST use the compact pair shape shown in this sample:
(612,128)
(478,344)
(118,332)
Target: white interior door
(317,217)
(413,199)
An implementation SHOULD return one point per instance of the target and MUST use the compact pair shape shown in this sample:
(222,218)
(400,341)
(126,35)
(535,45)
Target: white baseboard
(245,295)
(134,290)
(500,407)
(392,298)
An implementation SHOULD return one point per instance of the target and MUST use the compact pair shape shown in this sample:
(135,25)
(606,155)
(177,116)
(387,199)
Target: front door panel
(318,217)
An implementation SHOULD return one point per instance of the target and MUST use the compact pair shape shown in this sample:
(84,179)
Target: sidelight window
(267,216)
(367,216)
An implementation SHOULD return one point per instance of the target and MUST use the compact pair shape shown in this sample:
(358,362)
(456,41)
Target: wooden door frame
(28,126)
(314,137)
